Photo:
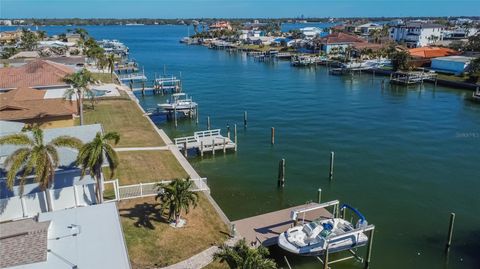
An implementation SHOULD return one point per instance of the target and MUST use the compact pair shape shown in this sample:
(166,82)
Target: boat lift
(362,228)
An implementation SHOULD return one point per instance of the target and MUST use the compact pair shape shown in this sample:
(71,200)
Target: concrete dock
(264,229)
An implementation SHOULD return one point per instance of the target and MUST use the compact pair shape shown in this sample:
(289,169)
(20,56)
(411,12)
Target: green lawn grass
(105,78)
(151,242)
(123,116)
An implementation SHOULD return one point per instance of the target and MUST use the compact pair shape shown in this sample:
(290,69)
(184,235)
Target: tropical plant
(473,70)
(35,156)
(82,32)
(92,155)
(80,86)
(244,257)
(400,60)
(176,197)
(9,52)
(28,40)
(111,63)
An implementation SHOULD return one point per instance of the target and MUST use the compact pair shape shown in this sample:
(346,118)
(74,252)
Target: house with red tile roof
(29,106)
(432,52)
(38,74)
(338,40)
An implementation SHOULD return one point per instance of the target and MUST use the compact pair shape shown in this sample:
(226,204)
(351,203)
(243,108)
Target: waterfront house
(451,64)
(73,38)
(365,29)
(417,34)
(220,25)
(38,74)
(32,106)
(431,52)
(10,37)
(337,40)
(310,32)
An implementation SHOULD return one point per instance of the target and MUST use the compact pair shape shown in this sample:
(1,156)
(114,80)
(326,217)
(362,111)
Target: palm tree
(111,63)
(80,82)
(35,156)
(177,197)
(242,256)
(91,157)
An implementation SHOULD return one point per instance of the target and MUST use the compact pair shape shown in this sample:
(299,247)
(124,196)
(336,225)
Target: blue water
(406,157)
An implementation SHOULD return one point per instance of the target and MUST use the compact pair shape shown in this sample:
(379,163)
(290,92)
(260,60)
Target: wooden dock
(206,141)
(264,229)
(410,78)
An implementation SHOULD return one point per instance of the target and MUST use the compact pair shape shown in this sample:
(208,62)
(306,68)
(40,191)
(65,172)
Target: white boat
(312,239)
(179,102)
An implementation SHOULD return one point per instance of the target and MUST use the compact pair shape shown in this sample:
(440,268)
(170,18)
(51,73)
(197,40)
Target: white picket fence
(148,189)
(29,205)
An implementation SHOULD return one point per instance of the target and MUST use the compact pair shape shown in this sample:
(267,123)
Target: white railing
(30,205)
(207,133)
(149,189)
(188,139)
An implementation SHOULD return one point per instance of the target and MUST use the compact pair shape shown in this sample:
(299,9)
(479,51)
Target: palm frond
(112,136)
(14,163)
(17,140)
(67,141)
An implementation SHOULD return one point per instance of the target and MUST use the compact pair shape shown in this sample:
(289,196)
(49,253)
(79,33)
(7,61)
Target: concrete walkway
(142,148)
(202,259)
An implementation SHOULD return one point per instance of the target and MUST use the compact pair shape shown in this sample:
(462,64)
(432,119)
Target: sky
(234,8)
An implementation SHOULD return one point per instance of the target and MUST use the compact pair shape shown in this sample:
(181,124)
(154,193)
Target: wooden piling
(201,148)
(450,232)
(185,149)
(281,173)
(175,116)
(332,159)
(196,114)
(224,145)
(319,200)
(272,136)
(213,147)
(228,131)
(245,117)
(369,249)
(235,135)
(208,122)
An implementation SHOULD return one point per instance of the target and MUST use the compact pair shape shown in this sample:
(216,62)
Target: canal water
(405,157)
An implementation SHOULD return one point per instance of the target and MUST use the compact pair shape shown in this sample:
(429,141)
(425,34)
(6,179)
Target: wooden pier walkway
(206,141)
(264,229)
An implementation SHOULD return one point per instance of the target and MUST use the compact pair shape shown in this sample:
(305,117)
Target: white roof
(84,237)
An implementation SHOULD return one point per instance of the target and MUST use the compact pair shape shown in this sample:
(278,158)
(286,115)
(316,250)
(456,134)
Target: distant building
(431,52)
(338,40)
(10,37)
(311,32)
(417,34)
(451,64)
(220,25)
(73,38)
(365,29)
(6,22)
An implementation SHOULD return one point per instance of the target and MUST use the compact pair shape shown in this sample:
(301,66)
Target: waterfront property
(451,64)
(417,34)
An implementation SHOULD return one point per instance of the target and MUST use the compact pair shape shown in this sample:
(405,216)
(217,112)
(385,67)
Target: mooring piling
(319,200)
(332,159)
(224,145)
(208,123)
(201,148)
(228,131)
(450,232)
(175,116)
(281,173)
(272,136)
(325,259)
(197,113)
(213,146)
(185,149)
(245,117)
(235,135)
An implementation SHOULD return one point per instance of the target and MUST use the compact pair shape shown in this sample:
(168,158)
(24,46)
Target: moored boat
(179,102)
(313,238)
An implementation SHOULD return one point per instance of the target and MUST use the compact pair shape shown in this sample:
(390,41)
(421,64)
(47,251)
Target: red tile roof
(27,103)
(339,38)
(34,74)
(432,52)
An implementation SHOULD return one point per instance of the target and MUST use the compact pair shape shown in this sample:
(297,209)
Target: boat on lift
(179,102)
(313,238)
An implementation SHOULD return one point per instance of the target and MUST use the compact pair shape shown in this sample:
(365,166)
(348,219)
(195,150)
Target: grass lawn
(217,265)
(147,166)
(151,242)
(105,78)
(123,116)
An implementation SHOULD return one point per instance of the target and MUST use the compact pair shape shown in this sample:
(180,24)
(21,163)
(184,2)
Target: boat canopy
(360,215)
(178,94)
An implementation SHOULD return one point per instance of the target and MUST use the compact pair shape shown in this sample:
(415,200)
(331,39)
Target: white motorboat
(179,102)
(313,238)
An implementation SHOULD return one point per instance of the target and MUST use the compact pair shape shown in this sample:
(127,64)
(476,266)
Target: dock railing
(207,133)
(188,139)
